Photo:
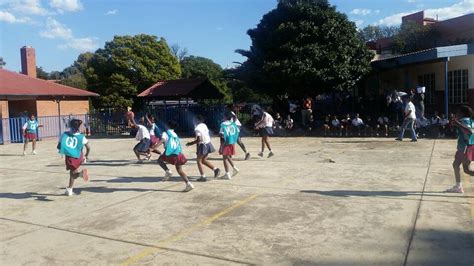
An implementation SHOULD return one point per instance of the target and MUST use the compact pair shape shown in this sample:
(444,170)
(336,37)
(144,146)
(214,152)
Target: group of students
(151,137)
(355,125)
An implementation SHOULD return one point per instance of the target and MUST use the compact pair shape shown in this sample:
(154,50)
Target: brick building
(24,93)
(447,71)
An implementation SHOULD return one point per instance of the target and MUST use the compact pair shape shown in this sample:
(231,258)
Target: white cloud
(461,8)
(220,28)
(54,29)
(361,11)
(10,18)
(66,5)
(359,23)
(29,7)
(111,12)
(81,44)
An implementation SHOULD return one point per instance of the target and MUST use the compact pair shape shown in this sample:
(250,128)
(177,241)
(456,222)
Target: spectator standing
(409,120)
(358,124)
(306,112)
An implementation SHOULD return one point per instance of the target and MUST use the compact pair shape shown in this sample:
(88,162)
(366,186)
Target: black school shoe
(217,173)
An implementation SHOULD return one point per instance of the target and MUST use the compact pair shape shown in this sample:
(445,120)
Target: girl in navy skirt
(204,148)
(265,127)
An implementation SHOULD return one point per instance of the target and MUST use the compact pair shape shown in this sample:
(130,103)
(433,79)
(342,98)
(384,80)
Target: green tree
(41,73)
(374,32)
(126,66)
(2,63)
(414,37)
(201,67)
(304,46)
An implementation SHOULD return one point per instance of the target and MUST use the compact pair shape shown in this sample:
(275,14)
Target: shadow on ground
(386,193)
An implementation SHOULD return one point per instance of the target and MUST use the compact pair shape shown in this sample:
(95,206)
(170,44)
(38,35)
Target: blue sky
(60,30)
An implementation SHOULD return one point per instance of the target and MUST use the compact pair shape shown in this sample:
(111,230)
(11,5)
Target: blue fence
(113,124)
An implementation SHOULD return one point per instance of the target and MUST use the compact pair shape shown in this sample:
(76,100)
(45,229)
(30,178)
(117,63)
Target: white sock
(227,173)
(188,183)
(203,176)
(458,184)
(235,168)
(215,168)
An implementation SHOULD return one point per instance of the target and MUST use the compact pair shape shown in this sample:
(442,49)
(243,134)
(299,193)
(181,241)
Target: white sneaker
(236,171)
(226,176)
(24,153)
(69,192)
(189,187)
(34,153)
(168,175)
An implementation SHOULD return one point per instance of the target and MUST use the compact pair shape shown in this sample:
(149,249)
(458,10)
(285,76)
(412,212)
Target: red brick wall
(28,61)
(50,108)
(4,109)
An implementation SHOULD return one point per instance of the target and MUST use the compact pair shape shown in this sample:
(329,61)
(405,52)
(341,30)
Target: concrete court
(318,201)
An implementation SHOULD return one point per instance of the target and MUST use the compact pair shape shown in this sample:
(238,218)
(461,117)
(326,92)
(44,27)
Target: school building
(23,93)
(447,71)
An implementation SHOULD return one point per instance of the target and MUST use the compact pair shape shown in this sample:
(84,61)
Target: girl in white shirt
(204,148)
(265,126)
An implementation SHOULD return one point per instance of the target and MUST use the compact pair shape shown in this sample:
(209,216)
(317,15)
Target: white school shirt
(435,120)
(267,121)
(335,123)
(236,121)
(357,122)
(202,131)
(410,107)
(443,121)
(142,133)
(152,129)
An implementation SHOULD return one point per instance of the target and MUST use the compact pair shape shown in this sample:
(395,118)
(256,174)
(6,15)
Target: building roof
(436,54)
(15,84)
(200,88)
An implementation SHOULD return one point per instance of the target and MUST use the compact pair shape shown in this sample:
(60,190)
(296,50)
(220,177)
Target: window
(457,86)
(428,81)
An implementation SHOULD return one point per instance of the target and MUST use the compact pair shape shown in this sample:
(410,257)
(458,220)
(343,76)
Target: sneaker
(34,153)
(69,192)
(270,154)
(236,171)
(455,189)
(24,153)
(217,173)
(247,156)
(260,154)
(226,176)
(189,187)
(167,176)
(85,176)
(414,140)
(399,139)
(202,179)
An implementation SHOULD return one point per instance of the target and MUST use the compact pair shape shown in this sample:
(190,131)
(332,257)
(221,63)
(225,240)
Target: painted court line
(185,232)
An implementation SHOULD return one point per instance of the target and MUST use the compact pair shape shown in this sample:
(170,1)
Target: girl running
(155,135)
(70,145)
(29,132)
(204,148)
(239,125)
(229,133)
(143,136)
(173,155)
(465,149)
(265,126)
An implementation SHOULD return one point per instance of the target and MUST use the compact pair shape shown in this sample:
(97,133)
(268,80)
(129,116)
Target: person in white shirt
(443,124)
(265,126)
(409,121)
(336,126)
(358,124)
(239,125)
(143,136)
(204,148)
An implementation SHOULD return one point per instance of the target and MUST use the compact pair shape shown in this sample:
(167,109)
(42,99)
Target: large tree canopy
(128,65)
(201,67)
(304,46)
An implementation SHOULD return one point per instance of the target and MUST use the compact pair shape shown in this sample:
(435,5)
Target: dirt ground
(317,201)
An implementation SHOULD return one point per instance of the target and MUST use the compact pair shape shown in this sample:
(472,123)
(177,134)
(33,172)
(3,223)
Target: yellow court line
(185,232)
